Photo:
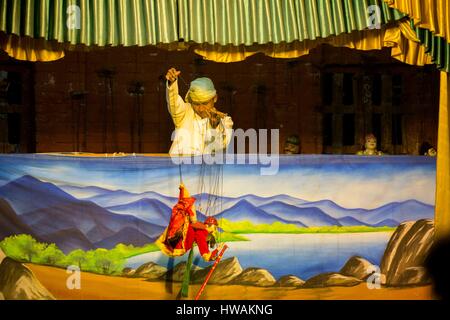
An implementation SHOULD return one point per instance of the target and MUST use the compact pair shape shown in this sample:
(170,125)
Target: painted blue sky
(350,181)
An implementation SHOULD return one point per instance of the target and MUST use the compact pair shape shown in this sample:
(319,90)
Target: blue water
(303,255)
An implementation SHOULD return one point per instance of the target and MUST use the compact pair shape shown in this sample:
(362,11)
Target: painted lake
(303,255)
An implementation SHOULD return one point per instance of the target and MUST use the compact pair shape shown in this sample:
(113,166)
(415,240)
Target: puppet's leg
(187,275)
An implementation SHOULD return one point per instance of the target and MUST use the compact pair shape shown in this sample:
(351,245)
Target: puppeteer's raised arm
(175,104)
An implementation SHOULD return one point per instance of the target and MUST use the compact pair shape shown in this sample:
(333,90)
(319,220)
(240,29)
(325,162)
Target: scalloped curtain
(248,22)
(234,24)
(100,22)
(28,23)
(437,47)
(430,19)
(433,15)
(143,22)
(159,22)
(404,44)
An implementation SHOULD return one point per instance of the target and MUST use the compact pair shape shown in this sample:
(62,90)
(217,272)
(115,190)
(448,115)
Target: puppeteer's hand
(227,122)
(172,75)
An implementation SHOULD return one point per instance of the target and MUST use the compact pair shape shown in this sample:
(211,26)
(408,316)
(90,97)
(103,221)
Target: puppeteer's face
(290,148)
(205,110)
(371,144)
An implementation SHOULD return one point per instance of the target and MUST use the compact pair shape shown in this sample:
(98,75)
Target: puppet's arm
(211,256)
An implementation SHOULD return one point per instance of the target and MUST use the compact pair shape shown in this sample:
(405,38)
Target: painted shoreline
(101,287)
(303,255)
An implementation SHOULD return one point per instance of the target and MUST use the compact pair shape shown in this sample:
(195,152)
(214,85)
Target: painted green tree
(108,261)
(51,255)
(25,248)
(22,247)
(77,257)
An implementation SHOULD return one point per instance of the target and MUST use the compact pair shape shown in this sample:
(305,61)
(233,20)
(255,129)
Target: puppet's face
(432,152)
(211,228)
(371,143)
(290,148)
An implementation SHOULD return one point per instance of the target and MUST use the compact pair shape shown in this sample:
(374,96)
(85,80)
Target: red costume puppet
(184,230)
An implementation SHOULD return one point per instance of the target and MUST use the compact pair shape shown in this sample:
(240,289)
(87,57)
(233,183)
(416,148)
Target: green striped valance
(247,22)
(101,22)
(437,47)
(223,22)
(151,22)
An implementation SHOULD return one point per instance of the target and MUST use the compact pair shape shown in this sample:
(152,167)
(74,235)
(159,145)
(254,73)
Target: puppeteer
(199,127)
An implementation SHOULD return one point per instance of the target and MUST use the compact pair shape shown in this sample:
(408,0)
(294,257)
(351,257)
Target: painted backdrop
(103,215)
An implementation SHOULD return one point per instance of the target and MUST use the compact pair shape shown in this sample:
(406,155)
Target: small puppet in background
(292,145)
(426,149)
(370,146)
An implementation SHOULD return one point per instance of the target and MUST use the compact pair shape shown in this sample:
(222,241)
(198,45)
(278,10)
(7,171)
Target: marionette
(292,145)
(184,230)
(426,149)
(370,146)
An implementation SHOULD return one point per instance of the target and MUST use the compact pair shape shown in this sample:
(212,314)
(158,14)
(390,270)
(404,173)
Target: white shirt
(194,135)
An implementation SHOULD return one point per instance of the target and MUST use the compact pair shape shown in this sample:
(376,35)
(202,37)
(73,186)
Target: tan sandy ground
(100,287)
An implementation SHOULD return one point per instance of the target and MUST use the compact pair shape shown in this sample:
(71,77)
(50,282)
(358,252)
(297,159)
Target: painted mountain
(10,222)
(84,192)
(89,217)
(44,210)
(390,214)
(151,210)
(120,197)
(332,209)
(244,210)
(155,208)
(311,216)
(399,211)
(27,194)
(258,201)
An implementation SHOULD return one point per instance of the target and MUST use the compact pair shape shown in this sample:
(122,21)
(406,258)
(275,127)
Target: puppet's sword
(219,257)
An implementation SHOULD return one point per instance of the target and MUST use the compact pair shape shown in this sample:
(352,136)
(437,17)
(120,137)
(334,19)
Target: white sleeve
(177,107)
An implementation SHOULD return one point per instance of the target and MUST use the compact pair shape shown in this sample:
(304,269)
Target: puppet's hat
(293,139)
(184,193)
(211,221)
